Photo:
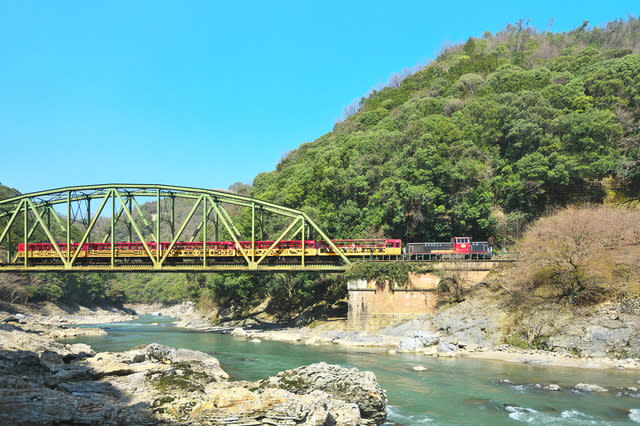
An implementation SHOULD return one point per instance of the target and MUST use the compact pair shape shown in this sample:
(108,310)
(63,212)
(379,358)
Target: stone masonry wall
(373,307)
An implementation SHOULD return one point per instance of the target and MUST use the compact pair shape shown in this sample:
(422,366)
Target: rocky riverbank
(156,384)
(604,336)
(60,315)
(46,382)
(435,345)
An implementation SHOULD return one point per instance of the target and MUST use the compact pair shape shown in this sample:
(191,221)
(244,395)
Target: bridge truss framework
(67,218)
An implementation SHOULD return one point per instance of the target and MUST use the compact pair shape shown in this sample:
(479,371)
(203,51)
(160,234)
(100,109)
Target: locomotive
(457,248)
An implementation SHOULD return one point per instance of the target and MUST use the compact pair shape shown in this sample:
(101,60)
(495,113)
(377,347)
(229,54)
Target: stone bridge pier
(373,306)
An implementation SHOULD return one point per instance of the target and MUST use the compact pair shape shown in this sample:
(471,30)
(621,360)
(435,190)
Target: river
(451,391)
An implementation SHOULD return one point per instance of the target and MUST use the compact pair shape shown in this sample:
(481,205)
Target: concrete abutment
(374,306)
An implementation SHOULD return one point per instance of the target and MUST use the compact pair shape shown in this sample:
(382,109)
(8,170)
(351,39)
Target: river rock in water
(587,387)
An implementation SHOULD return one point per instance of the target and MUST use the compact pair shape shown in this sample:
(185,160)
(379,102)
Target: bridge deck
(182,268)
(469,265)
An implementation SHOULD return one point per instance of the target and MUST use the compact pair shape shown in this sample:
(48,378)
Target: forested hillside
(486,138)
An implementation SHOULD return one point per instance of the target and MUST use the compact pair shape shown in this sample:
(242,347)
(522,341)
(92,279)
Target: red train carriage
(361,247)
(282,248)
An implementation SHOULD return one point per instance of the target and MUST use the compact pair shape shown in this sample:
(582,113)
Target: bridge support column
(374,306)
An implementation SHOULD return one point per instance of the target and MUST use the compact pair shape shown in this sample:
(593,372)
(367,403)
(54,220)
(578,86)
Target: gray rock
(351,337)
(138,358)
(419,340)
(40,405)
(22,363)
(81,350)
(71,374)
(446,347)
(88,388)
(586,387)
(238,331)
(235,404)
(550,387)
(346,384)
(408,328)
(604,331)
(471,322)
(51,358)
(197,360)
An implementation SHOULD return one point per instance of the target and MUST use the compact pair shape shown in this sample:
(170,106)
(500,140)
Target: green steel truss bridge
(135,235)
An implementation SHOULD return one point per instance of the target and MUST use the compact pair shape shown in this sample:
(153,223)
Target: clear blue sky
(207,93)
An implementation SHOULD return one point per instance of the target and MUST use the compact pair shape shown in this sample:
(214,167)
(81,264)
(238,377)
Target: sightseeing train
(376,249)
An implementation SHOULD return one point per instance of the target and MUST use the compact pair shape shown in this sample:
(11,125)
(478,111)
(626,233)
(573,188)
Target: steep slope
(486,138)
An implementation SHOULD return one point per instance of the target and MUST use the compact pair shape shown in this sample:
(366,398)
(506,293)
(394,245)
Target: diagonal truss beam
(231,229)
(52,213)
(182,227)
(135,227)
(115,219)
(326,239)
(9,224)
(92,223)
(52,240)
(208,209)
(277,241)
(144,219)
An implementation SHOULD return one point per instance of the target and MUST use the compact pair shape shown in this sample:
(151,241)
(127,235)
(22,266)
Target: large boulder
(346,384)
(182,385)
(235,404)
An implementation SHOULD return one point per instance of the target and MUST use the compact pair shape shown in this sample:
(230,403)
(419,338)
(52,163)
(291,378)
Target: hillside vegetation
(489,137)
(481,141)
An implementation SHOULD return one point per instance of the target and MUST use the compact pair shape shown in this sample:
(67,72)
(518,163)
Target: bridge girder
(65,215)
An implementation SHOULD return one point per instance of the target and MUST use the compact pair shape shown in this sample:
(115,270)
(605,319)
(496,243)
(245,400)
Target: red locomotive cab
(462,245)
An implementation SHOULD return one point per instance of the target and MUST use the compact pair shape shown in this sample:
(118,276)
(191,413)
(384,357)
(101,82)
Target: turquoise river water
(451,391)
